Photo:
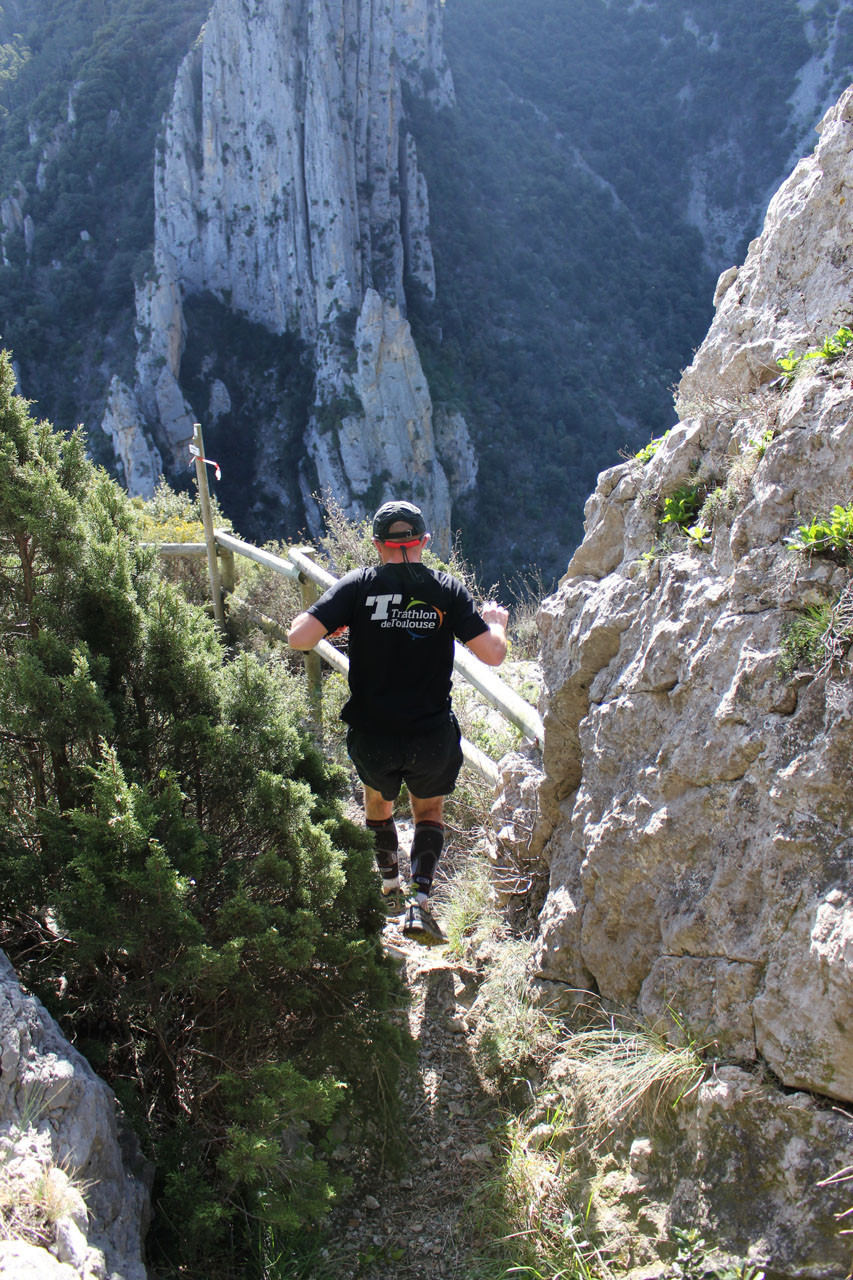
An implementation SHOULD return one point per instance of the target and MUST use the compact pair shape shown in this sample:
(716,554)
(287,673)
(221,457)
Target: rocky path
(416,1224)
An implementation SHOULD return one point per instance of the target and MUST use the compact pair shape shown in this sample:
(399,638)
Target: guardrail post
(313,663)
(197,450)
(227,570)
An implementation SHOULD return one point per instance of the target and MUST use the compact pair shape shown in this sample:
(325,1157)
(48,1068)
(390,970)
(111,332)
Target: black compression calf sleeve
(426,851)
(385,840)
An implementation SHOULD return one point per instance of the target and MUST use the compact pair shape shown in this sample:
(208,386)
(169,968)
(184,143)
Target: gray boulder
(61,1155)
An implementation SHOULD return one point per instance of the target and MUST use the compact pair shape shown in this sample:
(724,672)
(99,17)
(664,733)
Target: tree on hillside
(181,886)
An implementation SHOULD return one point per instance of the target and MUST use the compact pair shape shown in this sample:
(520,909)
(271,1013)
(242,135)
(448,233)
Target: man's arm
(305,631)
(336,607)
(490,646)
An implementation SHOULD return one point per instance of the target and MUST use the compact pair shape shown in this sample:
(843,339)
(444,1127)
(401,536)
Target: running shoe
(421,926)
(393,902)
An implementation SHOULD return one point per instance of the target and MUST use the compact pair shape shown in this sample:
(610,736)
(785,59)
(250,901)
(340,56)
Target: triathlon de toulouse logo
(418,618)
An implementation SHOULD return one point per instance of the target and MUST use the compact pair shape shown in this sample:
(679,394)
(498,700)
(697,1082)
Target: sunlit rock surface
(697,812)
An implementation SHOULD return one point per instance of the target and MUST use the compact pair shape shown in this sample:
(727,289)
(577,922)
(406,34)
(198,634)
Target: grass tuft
(31,1207)
(819,636)
(514,1033)
(624,1072)
(528,1221)
(469,914)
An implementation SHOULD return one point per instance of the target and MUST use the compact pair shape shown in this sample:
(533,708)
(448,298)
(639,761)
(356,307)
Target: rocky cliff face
(71,1207)
(288,187)
(696,813)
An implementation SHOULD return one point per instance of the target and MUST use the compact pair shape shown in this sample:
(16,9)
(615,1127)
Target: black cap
(398,513)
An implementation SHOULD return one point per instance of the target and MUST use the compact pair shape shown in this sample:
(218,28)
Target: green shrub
(176,517)
(180,883)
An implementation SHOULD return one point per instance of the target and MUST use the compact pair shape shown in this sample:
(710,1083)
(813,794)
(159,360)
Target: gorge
(541,200)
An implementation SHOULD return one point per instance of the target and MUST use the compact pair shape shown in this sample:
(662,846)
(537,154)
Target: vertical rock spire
(288,187)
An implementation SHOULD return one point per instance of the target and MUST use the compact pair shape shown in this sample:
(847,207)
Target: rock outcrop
(696,813)
(123,422)
(288,187)
(72,1207)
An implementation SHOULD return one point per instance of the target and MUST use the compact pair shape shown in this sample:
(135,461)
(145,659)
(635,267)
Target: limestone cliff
(696,813)
(288,187)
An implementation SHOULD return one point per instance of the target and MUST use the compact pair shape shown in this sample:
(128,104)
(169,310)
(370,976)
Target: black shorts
(429,765)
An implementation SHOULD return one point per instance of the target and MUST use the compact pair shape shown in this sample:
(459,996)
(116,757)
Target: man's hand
(490,646)
(494,612)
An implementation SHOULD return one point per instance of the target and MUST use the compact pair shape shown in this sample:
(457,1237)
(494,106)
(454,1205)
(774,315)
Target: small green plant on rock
(829,535)
(680,515)
(789,365)
(694,1260)
(649,450)
(832,348)
(683,505)
(663,546)
(699,534)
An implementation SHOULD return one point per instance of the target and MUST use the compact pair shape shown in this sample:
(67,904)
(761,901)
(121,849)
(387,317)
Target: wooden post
(227,572)
(197,450)
(313,664)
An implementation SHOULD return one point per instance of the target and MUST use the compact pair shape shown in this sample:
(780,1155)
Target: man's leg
(426,850)
(378,817)
(376,807)
(428,842)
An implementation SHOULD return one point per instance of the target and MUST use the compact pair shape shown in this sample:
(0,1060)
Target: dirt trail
(411,1225)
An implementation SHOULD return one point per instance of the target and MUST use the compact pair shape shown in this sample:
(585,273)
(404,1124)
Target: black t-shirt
(402,622)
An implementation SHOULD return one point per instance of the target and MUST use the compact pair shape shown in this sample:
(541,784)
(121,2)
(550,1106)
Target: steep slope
(697,812)
(79,116)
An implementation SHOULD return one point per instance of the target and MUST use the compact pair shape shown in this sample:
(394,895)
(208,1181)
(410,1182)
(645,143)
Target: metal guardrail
(299,567)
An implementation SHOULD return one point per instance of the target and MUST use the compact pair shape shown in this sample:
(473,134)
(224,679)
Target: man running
(402,620)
